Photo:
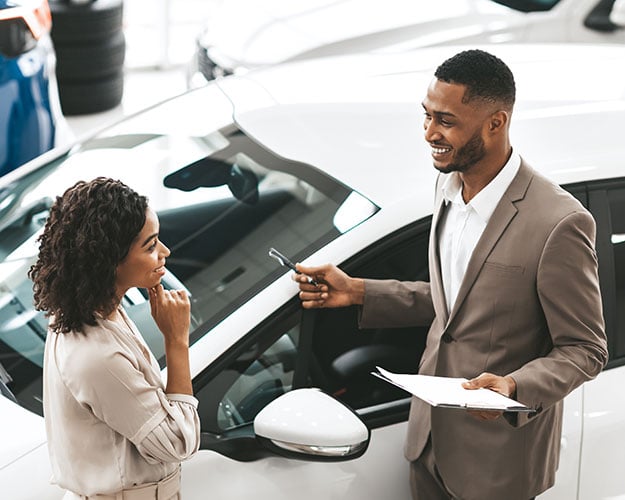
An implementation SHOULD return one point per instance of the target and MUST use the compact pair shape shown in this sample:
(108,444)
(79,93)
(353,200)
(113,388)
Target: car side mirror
(308,424)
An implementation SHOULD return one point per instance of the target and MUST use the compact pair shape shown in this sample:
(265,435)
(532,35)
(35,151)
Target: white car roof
(359,118)
(274,31)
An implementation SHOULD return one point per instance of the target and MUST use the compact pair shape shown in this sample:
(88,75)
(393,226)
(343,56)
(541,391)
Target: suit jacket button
(447,338)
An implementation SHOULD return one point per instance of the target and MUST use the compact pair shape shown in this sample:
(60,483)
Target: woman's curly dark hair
(88,233)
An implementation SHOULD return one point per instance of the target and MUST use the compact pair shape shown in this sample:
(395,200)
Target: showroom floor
(160,40)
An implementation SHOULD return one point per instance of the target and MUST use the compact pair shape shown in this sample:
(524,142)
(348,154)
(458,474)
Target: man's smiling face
(453,128)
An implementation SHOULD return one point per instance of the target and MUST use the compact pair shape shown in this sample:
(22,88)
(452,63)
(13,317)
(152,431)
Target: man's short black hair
(486,77)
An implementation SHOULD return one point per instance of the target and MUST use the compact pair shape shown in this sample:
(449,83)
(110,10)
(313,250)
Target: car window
(606,200)
(270,375)
(323,348)
(607,203)
(231,393)
(343,354)
(223,200)
(616,200)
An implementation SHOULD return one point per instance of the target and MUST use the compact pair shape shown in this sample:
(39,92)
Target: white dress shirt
(463,224)
(109,423)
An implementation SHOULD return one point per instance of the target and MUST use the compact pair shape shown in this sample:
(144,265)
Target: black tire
(85,97)
(93,21)
(91,61)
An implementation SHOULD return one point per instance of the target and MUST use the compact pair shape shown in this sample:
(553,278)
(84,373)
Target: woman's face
(144,266)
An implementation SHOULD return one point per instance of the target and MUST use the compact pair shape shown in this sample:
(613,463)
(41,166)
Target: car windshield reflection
(222,199)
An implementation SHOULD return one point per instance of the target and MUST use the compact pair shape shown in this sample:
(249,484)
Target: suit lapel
(436,280)
(499,221)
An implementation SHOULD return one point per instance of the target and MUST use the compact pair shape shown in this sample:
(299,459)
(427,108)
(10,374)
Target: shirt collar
(484,202)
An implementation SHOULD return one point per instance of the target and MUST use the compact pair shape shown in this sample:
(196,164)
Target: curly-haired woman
(114,430)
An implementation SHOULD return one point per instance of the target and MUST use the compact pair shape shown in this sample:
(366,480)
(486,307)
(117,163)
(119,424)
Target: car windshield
(529,5)
(222,199)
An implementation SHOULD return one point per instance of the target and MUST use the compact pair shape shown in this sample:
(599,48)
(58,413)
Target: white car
(245,34)
(325,161)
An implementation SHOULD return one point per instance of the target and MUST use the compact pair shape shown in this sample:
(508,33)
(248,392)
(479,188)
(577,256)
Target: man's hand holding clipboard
(446,392)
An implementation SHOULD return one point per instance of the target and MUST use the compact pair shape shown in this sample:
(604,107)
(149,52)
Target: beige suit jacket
(530,307)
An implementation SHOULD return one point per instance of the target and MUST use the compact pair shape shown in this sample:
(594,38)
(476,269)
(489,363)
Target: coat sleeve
(568,290)
(396,304)
(164,428)
(177,437)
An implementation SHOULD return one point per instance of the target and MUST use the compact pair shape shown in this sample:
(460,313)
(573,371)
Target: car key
(285,261)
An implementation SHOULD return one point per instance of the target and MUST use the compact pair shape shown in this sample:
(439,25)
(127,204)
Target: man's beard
(467,156)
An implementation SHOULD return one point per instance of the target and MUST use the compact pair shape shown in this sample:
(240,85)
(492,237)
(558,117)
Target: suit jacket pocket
(503,269)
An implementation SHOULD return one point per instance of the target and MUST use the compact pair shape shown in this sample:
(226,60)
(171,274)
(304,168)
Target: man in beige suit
(513,303)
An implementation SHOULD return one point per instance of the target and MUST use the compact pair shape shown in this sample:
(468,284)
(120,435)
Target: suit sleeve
(568,290)
(396,304)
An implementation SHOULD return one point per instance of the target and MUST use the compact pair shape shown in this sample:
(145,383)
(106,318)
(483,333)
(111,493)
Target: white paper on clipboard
(447,392)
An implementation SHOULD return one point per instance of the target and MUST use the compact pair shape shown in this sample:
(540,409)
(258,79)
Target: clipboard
(447,392)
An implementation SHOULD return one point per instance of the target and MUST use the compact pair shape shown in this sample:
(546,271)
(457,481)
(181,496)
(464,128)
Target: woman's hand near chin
(171,309)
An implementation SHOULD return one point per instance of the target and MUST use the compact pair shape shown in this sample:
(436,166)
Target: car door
(295,348)
(567,475)
(603,444)
(223,200)
(326,349)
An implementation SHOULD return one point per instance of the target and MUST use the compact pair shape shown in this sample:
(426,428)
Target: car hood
(375,144)
(21,431)
(278,30)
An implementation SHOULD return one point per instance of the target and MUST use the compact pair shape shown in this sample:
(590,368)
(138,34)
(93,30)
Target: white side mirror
(309,424)
(617,15)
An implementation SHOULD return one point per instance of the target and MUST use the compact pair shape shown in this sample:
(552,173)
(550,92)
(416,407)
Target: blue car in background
(29,105)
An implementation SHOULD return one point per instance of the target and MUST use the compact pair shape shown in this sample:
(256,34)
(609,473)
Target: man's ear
(498,121)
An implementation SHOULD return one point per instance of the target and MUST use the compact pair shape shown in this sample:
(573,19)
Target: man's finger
(304,284)
(312,304)
(483,380)
(311,271)
(304,280)
(314,295)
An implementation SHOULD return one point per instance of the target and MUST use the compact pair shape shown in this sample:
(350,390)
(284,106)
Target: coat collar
(502,216)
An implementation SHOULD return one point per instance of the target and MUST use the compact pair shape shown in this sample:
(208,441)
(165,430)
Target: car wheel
(84,97)
(97,20)
(91,61)
(90,51)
